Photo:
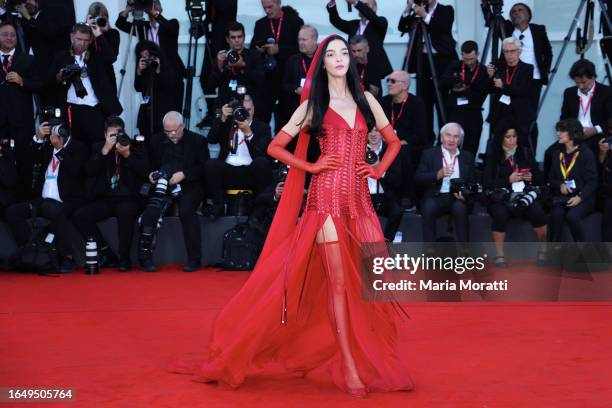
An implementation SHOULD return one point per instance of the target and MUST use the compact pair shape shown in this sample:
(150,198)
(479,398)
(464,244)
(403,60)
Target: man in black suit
(18,81)
(368,71)
(159,30)
(510,86)
(407,115)
(370,25)
(227,75)
(590,102)
(466,86)
(181,155)
(297,67)
(89,94)
(46,30)
(275,38)
(118,168)
(386,191)
(58,187)
(438,166)
(243,162)
(8,175)
(439,20)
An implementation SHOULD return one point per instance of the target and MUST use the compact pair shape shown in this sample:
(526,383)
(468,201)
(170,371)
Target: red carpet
(110,336)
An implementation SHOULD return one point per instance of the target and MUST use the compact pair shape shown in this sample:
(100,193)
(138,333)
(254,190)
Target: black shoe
(191,266)
(107,259)
(67,265)
(124,265)
(148,266)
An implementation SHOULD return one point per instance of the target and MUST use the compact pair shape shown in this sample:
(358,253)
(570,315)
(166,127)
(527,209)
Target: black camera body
(6,147)
(151,63)
(101,21)
(236,103)
(51,115)
(11,6)
(458,81)
(122,138)
(421,2)
(70,72)
(140,4)
(270,62)
(233,57)
(371,156)
(466,189)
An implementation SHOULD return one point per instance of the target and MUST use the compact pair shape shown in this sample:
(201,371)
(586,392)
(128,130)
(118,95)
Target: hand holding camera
(23,10)
(43,131)
(109,143)
(226,112)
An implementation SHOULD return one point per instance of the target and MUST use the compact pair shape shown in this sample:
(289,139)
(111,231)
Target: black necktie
(5,60)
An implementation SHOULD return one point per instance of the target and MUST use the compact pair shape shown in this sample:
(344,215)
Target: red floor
(109,337)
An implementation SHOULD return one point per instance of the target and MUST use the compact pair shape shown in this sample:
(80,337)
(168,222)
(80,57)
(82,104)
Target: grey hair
(174,116)
(359,39)
(446,127)
(315,32)
(512,41)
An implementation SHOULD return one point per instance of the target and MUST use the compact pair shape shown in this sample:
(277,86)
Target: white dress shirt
(448,161)
(242,157)
(90,99)
(427,20)
(528,53)
(584,113)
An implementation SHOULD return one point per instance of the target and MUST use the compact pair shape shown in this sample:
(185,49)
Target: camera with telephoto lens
(160,186)
(522,201)
(71,74)
(122,138)
(233,57)
(270,63)
(239,112)
(499,195)
(371,156)
(466,189)
(196,10)
(151,63)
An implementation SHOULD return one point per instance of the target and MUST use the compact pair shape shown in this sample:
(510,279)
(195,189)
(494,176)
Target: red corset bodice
(342,191)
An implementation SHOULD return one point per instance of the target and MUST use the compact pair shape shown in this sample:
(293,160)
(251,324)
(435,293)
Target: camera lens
(101,21)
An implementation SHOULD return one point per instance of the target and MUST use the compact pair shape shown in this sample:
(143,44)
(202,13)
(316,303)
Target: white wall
(469,24)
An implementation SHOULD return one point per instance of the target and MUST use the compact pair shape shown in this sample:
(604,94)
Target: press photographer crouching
(266,202)
(177,157)
(160,86)
(243,162)
(83,78)
(118,168)
(447,175)
(57,182)
(573,179)
(513,183)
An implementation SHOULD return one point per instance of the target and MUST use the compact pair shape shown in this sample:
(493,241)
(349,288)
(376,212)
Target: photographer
(573,180)
(275,38)
(178,156)
(439,20)
(83,76)
(407,114)
(510,172)
(119,167)
(605,164)
(158,29)
(369,74)
(510,86)
(439,165)
(266,202)
(159,85)
(97,15)
(466,86)
(235,67)
(8,175)
(46,30)
(297,67)
(243,162)
(58,186)
(386,191)
(369,25)
(19,79)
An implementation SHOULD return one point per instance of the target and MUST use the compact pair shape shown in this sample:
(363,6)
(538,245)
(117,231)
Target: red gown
(248,335)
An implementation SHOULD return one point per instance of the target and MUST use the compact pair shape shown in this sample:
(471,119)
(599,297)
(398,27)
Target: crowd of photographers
(73,162)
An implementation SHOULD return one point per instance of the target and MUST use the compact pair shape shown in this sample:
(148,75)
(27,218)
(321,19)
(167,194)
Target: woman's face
(563,137)
(510,139)
(337,58)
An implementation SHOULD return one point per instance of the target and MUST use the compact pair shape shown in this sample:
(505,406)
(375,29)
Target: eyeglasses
(512,51)
(393,81)
(172,132)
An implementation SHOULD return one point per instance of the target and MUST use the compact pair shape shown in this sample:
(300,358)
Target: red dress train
(248,334)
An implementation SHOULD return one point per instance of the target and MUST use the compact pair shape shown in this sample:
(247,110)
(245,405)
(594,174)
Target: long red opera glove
(277,150)
(393,149)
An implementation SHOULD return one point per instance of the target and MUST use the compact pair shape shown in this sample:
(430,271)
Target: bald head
(173,126)
(398,83)
(307,40)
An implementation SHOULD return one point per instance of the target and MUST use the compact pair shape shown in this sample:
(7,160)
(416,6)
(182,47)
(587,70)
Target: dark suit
(8,178)
(88,122)
(440,29)
(520,109)
(542,48)
(189,155)
(16,113)
(221,175)
(114,197)
(292,79)
(71,191)
(375,32)
(469,115)
(436,204)
(389,199)
(113,38)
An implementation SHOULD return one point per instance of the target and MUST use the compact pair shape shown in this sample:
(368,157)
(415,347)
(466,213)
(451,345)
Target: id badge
(445,185)
(571,184)
(145,100)
(518,186)
(51,177)
(302,82)
(462,101)
(233,84)
(505,99)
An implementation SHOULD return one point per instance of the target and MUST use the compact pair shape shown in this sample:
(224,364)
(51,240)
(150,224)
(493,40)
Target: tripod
(417,35)
(196,12)
(496,32)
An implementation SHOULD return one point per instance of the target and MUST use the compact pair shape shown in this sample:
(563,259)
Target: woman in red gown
(301,306)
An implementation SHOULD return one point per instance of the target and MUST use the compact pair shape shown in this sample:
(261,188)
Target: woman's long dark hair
(318,100)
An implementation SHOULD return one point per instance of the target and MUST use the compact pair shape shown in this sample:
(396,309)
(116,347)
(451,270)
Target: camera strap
(276,33)
(399,115)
